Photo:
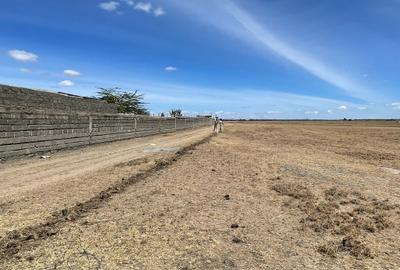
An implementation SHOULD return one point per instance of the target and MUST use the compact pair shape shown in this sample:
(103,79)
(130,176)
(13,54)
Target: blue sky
(252,59)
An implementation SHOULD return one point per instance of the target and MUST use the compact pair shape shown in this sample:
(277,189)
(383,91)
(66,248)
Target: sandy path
(19,176)
(31,189)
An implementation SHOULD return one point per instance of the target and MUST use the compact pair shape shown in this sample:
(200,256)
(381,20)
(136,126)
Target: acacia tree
(175,112)
(127,101)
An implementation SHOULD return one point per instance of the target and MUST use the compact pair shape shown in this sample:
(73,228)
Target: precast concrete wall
(24,133)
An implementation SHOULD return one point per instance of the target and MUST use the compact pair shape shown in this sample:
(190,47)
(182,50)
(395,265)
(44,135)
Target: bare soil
(271,195)
(31,190)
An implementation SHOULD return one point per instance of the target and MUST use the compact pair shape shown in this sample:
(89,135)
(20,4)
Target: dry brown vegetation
(346,215)
(274,195)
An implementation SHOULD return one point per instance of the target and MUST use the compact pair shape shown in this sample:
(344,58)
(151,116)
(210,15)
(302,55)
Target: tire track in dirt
(20,176)
(30,236)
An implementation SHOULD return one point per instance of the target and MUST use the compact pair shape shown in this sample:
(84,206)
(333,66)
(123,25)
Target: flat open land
(261,195)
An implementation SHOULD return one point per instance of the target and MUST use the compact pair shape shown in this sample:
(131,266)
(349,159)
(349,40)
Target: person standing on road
(221,125)
(216,124)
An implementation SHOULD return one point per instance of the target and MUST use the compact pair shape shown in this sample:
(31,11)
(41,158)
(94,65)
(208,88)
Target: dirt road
(290,195)
(31,189)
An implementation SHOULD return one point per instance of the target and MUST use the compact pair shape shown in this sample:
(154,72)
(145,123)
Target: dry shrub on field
(342,213)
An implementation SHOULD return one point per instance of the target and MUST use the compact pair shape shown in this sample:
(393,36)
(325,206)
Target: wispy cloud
(396,105)
(342,107)
(25,70)
(237,22)
(109,6)
(23,56)
(128,2)
(159,12)
(170,69)
(268,39)
(145,7)
(312,112)
(66,83)
(72,73)
(362,108)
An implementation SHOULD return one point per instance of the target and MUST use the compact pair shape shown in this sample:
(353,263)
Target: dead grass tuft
(334,194)
(294,190)
(350,245)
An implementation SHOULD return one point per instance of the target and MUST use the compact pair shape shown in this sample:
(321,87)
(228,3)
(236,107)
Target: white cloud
(25,70)
(273,112)
(109,6)
(362,108)
(159,12)
(66,83)
(219,112)
(396,105)
(128,2)
(146,7)
(23,56)
(312,112)
(343,107)
(329,111)
(170,69)
(72,73)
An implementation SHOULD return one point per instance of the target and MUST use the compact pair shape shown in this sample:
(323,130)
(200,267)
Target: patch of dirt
(393,171)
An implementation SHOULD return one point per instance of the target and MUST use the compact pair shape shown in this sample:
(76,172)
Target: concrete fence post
(175,122)
(90,128)
(135,123)
(90,124)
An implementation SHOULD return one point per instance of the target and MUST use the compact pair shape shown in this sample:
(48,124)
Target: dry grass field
(261,195)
